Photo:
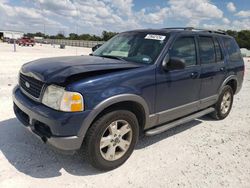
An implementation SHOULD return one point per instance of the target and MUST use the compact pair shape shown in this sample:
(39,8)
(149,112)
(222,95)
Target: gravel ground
(202,153)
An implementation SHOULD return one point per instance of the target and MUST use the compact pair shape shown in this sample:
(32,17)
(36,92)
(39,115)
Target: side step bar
(186,119)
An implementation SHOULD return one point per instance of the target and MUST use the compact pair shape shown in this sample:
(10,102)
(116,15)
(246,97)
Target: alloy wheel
(116,140)
(226,102)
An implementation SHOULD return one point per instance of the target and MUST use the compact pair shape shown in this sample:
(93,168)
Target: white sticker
(155,37)
(145,59)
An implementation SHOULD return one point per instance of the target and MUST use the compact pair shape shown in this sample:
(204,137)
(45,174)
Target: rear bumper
(59,129)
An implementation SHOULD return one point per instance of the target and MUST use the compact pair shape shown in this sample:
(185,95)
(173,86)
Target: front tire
(224,103)
(111,139)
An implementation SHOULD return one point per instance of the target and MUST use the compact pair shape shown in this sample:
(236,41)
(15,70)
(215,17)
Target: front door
(177,92)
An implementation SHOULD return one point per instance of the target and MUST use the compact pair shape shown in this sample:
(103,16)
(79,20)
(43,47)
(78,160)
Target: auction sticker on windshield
(155,37)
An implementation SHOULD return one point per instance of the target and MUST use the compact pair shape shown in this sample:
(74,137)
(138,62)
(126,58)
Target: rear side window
(232,49)
(207,50)
(219,56)
(184,48)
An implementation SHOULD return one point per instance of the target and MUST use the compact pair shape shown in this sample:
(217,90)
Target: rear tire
(224,103)
(111,139)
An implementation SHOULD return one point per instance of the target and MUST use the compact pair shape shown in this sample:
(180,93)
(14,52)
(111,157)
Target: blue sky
(94,16)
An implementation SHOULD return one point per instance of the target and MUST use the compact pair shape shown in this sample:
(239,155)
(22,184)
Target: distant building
(38,39)
(11,34)
(245,52)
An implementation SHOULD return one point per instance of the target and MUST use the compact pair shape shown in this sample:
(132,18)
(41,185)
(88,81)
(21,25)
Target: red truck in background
(26,41)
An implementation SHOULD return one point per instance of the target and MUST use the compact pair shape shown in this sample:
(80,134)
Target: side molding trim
(180,111)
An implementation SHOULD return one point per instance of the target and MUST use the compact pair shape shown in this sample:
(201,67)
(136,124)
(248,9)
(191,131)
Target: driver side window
(184,48)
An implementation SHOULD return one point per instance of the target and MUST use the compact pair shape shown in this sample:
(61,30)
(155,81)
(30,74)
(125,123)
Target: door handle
(194,75)
(222,68)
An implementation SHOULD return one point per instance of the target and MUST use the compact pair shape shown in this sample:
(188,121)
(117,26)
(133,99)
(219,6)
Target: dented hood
(58,69)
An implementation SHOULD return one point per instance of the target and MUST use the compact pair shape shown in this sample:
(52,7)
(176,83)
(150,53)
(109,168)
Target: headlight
(57,98)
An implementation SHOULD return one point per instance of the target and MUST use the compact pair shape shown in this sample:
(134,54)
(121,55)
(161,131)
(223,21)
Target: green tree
(242,37)
(232,33)
(106,35)
(52,37)
(73,36)
(60,36)
(85,37)
(96,38)
(37,34)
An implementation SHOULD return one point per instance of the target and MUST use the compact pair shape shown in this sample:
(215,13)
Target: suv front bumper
(59,129)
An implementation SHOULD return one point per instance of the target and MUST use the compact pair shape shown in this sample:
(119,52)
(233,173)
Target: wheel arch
(232,81)
(131,102)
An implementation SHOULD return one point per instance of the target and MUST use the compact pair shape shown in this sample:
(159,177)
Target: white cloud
(193,12)
(22,18)
(226,21)
(94,16)
(156,17)
(243,13)
(123,7)
(195,9)
(237,25)
(241,24)
(231,7)
(91,14)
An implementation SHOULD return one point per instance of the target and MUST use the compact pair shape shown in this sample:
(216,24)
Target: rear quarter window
(232,49)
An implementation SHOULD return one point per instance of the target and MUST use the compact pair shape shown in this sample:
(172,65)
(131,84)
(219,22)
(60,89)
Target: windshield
(135,47)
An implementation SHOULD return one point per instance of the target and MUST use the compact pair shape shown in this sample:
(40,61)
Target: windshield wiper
(112,57)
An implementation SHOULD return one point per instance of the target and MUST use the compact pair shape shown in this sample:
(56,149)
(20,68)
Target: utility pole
(78,17)
(43,19)
(14,42)
(44,28)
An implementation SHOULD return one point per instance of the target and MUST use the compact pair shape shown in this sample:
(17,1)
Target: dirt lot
(202,153)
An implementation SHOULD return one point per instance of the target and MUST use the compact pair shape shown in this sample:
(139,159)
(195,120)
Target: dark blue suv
(139,82)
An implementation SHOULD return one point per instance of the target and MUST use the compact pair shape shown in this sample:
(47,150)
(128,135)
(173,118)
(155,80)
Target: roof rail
(198,29)
(179,28)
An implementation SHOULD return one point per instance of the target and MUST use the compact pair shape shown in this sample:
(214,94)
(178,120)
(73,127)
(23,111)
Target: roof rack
(198,29)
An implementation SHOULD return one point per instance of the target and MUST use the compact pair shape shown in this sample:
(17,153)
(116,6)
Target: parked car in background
(6,39)
(138,82)
(11,41)
(26,41)
(96,47)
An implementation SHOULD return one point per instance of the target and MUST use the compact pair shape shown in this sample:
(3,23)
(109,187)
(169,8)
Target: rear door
(213,69)
(178,90)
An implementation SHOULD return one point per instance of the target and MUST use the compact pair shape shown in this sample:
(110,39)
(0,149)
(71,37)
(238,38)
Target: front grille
(31,85)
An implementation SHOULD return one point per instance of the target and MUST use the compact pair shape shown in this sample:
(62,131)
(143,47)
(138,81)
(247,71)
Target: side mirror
(95,47)
(173,63)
